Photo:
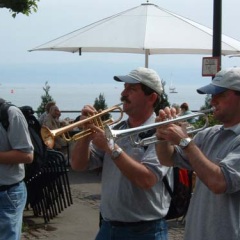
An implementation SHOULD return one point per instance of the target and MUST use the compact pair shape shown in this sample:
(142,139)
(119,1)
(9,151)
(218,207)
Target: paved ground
(80,220)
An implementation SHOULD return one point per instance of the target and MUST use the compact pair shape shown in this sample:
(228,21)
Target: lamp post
(217,29)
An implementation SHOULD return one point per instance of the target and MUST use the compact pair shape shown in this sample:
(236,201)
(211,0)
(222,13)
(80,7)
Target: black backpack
(181,193)
(40,150)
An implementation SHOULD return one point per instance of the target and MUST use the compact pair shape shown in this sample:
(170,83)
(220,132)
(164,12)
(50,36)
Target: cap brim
(211,89)
(126,79)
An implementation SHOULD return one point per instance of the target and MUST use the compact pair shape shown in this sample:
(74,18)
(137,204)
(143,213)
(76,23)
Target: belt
(131,224)
(6,187)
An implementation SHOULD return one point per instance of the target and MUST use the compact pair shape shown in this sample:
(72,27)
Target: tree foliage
(100,104)
(211,120)
(20,6)
(163,101)
(207,104)
(45,99)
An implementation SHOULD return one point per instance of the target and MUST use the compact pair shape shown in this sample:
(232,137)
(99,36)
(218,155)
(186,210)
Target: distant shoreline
(72,97)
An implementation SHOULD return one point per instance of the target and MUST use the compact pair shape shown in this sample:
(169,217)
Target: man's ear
(153,97)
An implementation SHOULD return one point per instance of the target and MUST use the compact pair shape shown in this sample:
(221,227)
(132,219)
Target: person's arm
(20,148)
(136,172)
(164,152)
(80,153)
(164,148)
(15,157)
(207,171)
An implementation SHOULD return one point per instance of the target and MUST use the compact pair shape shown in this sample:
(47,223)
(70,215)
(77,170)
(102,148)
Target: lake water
(74,96)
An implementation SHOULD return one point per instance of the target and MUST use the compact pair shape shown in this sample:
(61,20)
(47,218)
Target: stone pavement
(80,220)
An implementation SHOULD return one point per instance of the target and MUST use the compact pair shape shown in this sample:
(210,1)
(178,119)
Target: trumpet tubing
(48,135)
(117,134)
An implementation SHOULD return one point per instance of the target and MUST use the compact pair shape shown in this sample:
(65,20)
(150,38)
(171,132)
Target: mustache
(124,99)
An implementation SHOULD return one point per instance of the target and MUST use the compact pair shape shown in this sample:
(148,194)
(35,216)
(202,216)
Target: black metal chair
(49,190)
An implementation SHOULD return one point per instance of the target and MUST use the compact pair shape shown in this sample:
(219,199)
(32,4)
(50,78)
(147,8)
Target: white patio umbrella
(146,29)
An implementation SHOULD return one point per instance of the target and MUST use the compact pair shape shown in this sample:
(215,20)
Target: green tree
(164,101)
(207,104)
(211,120)
(45,99)
(19,6)
(100,104)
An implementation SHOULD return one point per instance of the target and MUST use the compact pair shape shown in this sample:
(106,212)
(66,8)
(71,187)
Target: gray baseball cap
(225,79)
(145,76)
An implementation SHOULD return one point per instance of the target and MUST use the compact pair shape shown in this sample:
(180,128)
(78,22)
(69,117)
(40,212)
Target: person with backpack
(134,200)
(214,211)
(16,149)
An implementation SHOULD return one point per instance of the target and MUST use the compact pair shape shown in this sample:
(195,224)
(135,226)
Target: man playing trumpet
(133,199)
(214,211)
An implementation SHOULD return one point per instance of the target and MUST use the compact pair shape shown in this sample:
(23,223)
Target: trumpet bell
(47,137)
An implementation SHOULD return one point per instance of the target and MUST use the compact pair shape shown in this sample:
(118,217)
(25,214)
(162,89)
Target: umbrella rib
(188,21)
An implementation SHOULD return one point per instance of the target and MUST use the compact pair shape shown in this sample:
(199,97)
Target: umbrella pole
(146,57)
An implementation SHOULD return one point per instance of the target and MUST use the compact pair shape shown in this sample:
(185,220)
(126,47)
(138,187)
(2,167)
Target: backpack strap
(166,183)
(147,134)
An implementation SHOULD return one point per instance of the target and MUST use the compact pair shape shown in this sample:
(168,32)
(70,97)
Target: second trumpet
(113,135)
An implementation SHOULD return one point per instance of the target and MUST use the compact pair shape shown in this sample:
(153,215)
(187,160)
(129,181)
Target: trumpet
(48,135)
(113,135)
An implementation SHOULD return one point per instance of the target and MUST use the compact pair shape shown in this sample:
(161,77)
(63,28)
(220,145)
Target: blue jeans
(12,204)
(155,230)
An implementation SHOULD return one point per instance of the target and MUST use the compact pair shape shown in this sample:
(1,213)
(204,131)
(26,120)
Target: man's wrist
(116,152)
(184,142)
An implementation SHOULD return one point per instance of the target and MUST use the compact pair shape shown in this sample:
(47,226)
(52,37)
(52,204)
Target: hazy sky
(55,18)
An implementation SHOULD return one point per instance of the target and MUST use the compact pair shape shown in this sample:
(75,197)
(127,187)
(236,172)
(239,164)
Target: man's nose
(124,92)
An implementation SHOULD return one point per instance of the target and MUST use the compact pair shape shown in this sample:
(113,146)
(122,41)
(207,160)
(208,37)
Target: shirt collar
(235,128)
(150,120)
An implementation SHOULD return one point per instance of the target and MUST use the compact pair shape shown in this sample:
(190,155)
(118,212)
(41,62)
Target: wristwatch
(184,142)
(116,153)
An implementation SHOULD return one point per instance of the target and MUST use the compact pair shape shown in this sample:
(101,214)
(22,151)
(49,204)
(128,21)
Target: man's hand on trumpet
(172,133)
(97,136)
(99,139)
(88,111)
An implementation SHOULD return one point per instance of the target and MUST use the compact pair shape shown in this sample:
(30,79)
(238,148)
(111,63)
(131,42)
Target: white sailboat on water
(172,89)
